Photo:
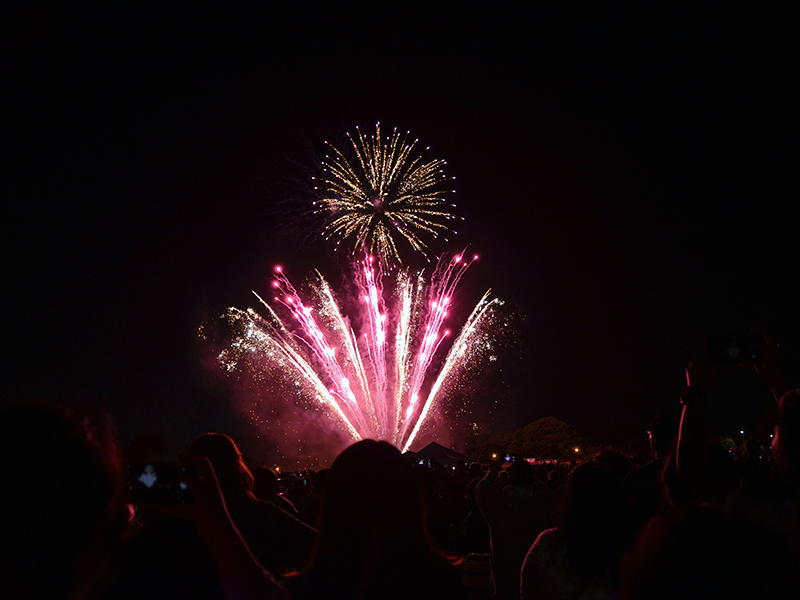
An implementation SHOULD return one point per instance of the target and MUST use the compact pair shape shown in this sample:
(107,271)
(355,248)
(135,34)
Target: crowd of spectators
(695,521)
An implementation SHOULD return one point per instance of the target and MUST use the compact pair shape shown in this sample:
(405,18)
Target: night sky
(629,178)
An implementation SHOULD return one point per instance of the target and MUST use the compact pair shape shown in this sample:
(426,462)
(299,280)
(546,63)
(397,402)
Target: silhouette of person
(372,537)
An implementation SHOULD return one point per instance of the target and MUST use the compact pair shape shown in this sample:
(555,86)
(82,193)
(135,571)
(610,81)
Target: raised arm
(243,578)
(769,368)
(693,462)
(485,491)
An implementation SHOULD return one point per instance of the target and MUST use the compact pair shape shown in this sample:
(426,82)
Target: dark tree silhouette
(546,438)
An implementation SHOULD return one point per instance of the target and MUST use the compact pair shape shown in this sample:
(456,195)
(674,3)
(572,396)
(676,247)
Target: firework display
(385,192)
(376,384)
(374,366)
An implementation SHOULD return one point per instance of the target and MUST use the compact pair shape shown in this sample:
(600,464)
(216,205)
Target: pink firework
(379,383)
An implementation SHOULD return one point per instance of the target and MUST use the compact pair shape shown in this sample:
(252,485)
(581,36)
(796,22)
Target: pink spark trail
(378,384)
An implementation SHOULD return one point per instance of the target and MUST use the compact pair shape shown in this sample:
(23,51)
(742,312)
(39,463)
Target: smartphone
(734,349)
(158,483)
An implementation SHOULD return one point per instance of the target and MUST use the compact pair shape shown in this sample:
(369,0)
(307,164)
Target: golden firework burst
(386,191)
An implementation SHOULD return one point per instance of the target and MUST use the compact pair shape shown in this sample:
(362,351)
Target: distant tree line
(546,438)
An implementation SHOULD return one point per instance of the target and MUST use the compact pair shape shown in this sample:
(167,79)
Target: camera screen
(734,349)
(158,483)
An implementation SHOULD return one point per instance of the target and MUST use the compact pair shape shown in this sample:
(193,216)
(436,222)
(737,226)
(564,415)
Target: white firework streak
(457,352)
(279,340)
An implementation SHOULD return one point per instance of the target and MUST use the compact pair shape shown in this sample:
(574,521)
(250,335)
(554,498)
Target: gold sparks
(384,193)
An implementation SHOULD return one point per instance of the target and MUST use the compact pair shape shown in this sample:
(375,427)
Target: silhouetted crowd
(695,521)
